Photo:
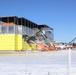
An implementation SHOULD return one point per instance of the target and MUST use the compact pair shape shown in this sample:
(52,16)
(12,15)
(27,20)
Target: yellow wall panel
(14,42)
(33,46)
(25,45)
(7,41)
(18,42)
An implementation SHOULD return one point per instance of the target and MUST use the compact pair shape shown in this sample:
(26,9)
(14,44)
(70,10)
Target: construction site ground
(37,62)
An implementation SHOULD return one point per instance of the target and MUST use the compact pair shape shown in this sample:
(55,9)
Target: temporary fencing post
(69,62)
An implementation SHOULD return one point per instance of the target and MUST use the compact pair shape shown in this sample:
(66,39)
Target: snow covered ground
(38,63)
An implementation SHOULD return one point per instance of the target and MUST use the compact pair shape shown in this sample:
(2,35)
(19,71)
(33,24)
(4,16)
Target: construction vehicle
(72,44)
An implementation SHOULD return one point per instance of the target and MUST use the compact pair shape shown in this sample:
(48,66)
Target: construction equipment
(45,42)
(72,43)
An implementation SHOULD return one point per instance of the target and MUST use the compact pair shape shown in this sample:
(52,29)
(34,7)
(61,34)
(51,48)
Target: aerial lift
(72,43)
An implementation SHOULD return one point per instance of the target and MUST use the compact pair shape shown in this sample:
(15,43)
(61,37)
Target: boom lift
(72,42)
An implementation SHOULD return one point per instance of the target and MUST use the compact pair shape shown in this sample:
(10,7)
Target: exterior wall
(7,41)
(10,37)
(10,41)
(7,29)
(25,45)
(49,34)
(18,29)
(27,31)
(18,42)
(7,37)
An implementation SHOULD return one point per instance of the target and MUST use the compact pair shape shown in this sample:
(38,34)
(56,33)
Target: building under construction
(14,30)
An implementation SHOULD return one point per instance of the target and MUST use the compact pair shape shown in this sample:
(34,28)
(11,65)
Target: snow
(38,63)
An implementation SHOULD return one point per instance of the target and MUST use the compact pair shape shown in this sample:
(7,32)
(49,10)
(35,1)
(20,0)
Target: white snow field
(38,63)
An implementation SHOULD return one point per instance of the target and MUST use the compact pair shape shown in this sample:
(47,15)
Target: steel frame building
(12,28)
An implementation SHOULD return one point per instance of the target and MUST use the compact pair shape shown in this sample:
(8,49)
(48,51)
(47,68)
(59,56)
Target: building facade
(13,28)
